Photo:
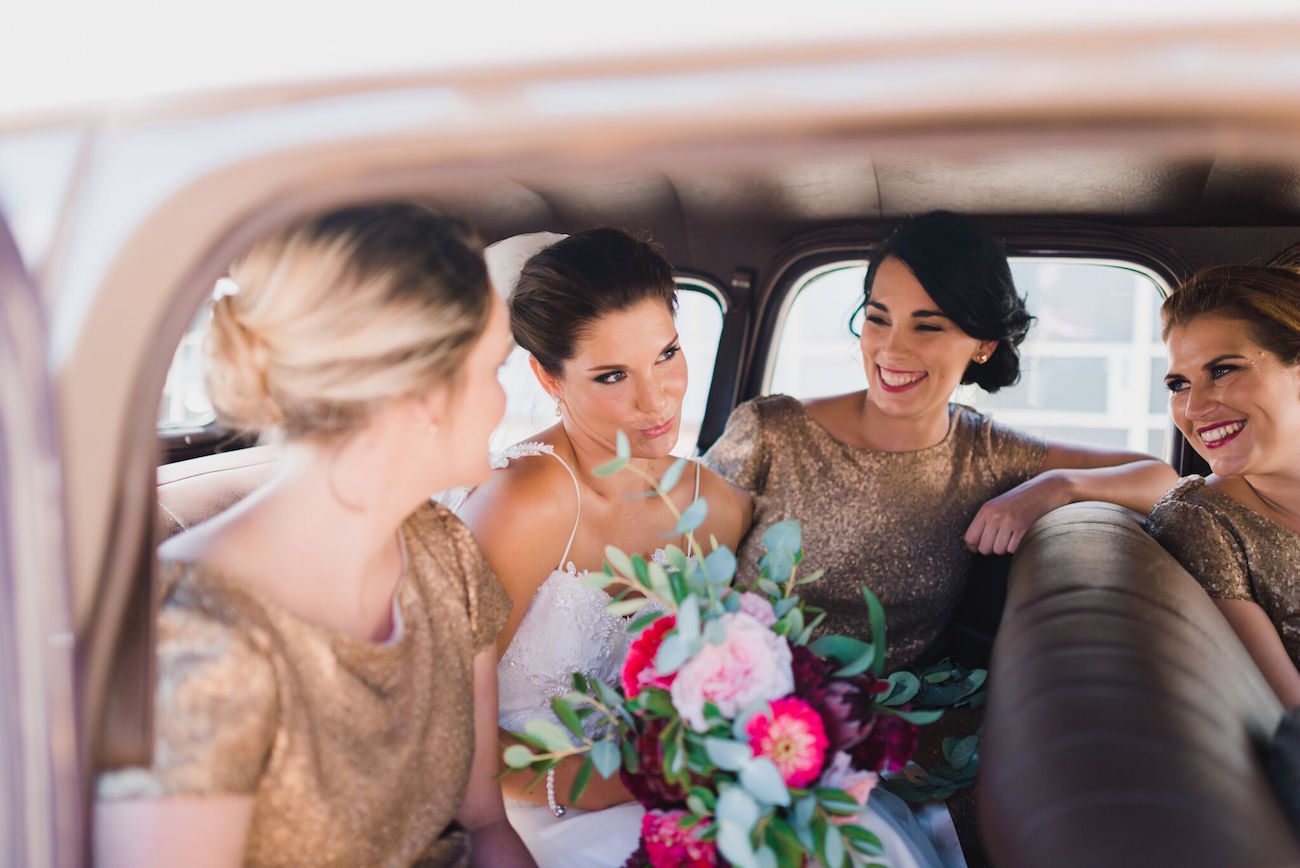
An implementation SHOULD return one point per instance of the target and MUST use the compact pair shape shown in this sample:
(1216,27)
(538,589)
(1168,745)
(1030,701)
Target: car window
(185,402)
(1092,367)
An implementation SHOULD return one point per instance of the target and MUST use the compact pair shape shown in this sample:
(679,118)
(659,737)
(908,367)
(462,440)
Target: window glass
(528,410)
(185,401)
(1092,367)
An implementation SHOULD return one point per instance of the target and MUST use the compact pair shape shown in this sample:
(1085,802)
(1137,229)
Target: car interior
(1124,722)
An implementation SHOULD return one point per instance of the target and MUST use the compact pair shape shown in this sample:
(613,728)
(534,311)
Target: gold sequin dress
(1233,551)
(890,520)
(355,753)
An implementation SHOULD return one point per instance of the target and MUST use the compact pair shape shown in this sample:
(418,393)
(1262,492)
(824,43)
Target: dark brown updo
(967,274)
(564,288)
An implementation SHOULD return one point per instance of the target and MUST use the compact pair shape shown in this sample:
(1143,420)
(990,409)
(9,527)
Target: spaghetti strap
(696,495)
(534,447)
(577,491)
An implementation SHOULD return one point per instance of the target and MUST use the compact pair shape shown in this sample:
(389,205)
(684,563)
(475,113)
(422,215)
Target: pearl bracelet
(556,808)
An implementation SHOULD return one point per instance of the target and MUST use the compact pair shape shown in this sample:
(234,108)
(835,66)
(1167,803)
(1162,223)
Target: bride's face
(627,374)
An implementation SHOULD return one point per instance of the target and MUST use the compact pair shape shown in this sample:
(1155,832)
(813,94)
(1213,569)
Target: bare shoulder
(531,499)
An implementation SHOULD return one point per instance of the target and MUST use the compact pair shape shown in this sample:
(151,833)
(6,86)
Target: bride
(596,313)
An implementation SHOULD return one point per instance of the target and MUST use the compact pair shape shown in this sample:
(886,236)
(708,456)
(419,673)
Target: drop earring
(557,405)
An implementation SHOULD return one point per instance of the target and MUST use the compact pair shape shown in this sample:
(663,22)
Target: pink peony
(840,775)
(638,666)
(758,608)
(669,845)
(752,664)
(792,737)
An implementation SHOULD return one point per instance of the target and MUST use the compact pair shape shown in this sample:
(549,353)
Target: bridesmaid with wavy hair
(327,673)
(1233,336)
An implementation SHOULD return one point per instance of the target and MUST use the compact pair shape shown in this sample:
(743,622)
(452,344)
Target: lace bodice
(566,629)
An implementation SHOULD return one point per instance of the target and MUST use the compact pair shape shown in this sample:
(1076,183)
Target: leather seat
(1125,720)
(191,491)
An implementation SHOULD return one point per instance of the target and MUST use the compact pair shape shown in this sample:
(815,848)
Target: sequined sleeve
(740,455)
(1013,456)
(215,715)
(1204,545)
(486,602)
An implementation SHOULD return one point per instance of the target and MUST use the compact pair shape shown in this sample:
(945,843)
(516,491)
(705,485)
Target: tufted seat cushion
(1125,721)
(191,491)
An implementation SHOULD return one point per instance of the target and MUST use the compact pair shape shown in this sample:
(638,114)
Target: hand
(1002,522)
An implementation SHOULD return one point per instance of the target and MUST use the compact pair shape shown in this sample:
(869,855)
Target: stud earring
(981,358)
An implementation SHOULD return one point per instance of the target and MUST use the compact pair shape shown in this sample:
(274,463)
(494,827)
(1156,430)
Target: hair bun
(238,381)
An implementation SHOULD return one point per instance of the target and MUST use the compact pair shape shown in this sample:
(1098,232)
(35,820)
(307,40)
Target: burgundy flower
(845,705)
(648,785)
(888,746)
(810,671)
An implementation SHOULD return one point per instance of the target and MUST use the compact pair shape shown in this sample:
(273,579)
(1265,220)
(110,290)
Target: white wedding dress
(567,629)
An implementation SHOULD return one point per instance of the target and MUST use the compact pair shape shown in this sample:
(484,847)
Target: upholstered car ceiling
(716,218)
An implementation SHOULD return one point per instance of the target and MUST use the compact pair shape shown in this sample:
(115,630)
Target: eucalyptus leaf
(643,621)
(567,716)
(619,560)
(620,608)
(720,566)
(688,619)
(518,757)
(606,694)
(609,468)
(921,717)
(692,518)
(811,577)
(761,780)
(672,475)
(550,734)
(737,807)
(731,603)
(793,622)
(733,843)
(876,615)
(833,849)
(961,751)
(715,632)
(842,649)
(676,558)
(903,686)
(697,806)
(728,755)
(777,565)
(862,840)
(783,605)
(599,579)
(641,570)
(837,801)
(766,857)
(858,666)
(622,448)
(783,535)
(659,582)
(672,653)
(580,780)
(606,758)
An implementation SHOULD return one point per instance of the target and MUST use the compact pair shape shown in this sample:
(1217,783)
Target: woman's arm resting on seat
(1257,633)
(1069,474)
(201,832)
(494,842)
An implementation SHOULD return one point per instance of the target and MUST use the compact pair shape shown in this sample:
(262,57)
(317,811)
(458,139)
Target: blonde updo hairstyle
(341,312)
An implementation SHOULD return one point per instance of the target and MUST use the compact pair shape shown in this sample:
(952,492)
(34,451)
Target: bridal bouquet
(742,735)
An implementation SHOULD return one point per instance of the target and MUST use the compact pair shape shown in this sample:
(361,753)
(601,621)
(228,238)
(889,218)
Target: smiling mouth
(658,430)
(1217,435)
(898,381)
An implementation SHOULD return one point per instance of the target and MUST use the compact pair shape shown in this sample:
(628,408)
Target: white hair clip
(225,286)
